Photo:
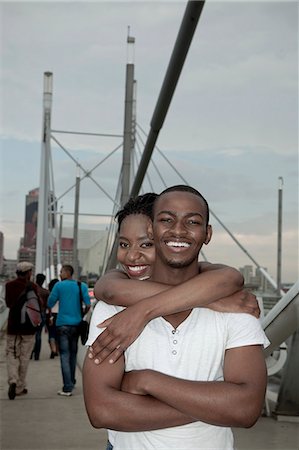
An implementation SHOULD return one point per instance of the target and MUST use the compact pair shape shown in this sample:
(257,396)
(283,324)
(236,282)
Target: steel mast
(129,138)
(42,240)
(181,47)
(185,35)
(128,122)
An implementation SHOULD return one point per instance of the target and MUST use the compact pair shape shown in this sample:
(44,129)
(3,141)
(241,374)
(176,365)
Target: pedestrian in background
(20,336)
(67,292)
(43,295)
(51,318)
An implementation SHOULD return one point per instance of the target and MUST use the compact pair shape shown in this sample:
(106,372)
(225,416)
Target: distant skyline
(231,130)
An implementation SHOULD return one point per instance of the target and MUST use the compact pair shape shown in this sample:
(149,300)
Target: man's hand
(239,302)
(121,330)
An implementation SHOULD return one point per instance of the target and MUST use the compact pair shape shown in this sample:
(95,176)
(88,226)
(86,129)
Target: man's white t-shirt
(195,350)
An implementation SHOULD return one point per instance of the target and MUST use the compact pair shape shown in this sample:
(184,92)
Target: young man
(20,336)
(68,319)
(190,376)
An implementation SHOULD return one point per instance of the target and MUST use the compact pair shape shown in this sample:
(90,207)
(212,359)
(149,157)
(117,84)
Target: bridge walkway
(42,420)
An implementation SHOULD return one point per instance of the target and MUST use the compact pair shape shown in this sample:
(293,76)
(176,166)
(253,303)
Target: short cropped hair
(68,268)
(142,204)
(40,278)
(52,283)
(186,188)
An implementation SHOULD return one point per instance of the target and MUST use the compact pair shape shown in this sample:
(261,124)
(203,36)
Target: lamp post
(76,221)
(279,236)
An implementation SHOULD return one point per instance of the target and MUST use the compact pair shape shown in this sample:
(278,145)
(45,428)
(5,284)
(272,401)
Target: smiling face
(136,252)
(180,229)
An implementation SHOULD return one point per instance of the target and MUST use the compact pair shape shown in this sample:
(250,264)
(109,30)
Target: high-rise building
(91,243)
(27,247)
(247,272)
(66,251)
(255,278)
(30,228)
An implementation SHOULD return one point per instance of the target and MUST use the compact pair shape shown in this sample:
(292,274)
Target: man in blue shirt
(67,293)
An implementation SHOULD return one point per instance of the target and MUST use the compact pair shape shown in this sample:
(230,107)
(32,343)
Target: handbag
(83,325)
(83,331)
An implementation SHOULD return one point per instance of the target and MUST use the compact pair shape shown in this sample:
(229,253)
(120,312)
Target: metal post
(127,149)
(134,121)
(59,264)
(279,235)
(175,66)
(288,397)
(181,47)
(41,262)
(76,220)
(129,138)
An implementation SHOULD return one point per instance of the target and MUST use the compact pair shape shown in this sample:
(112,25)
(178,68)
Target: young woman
(216,287)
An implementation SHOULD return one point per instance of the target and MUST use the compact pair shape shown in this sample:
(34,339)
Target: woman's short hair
(142,204)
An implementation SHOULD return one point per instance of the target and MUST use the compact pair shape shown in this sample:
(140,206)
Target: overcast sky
(231,130)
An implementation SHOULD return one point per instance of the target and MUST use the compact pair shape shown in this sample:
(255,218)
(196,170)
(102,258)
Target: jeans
(68,346)
(109,446)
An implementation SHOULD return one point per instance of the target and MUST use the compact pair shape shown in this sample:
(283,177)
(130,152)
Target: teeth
(136,268)
(178,244)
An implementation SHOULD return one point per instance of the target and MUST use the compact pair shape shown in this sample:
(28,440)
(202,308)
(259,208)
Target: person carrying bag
(68,323)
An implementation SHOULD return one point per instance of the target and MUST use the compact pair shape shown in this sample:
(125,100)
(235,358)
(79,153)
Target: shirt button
(174,352)
(175,341)
(173,331)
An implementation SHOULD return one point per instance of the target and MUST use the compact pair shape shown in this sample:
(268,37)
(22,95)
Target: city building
(260,286)
(30,225)
(254,279)
(9,268)
(91,243)
(91,250)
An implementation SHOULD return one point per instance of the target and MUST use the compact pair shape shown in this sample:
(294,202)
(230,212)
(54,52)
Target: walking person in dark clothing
(20,336)
(43,295)
(51,317)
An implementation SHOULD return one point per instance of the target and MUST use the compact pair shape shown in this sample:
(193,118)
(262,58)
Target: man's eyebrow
(165,212)
(194,214)
(173,213)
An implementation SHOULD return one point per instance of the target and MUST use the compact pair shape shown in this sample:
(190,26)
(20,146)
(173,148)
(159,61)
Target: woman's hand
(121,331)
(239,302)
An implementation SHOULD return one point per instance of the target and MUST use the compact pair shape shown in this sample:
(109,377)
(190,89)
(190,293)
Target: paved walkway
(41,420)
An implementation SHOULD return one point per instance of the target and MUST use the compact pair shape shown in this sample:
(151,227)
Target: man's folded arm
(108,407)
(237,401)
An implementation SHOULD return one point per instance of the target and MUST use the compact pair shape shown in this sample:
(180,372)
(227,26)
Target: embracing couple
(183,362)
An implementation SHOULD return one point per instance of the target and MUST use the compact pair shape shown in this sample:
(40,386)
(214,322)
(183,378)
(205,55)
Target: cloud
(231,129)
(263,250)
